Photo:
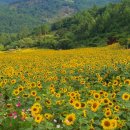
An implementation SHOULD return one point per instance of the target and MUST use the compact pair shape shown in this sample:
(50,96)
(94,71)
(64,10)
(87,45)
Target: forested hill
(55,4)
(96,26)
(31,13)
(9,1)
(93,27)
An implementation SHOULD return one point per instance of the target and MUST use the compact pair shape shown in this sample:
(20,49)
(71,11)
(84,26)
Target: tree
(65,44)
(2,47)
(24,32)
(45,29)
(124,42)
(25,43)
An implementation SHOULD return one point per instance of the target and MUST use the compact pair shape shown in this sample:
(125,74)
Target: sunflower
(9,105)
(115,82)
(77,105)
(48,116)
(83,105)
(125,96)
(38,105)
(58,95)
(110,104)
(72,94)
(51,86)
(25,95)
(107,109)
(39,118)
(117,108)
(104,84)
(108,113)
(114,123)
(39,85)
(59,102)
(13,81)
(120,84)
(20,88)
(100,79)
(37,98)
(113,95)
(96,95)
(35,110)
(105,94)
(52,89)
(82,82)
(69,120)
(90,102)
(48,102)
(71,101)
(16,92)
(106,101)
(106,124)
(109,84)
(95,105)
(101,92)
(33,85)
(127,81)
(33,93)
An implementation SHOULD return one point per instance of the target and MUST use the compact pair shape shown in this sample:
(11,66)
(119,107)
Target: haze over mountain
(31,13)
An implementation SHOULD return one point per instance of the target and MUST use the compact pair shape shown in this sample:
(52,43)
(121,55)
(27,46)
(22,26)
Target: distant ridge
(31,13)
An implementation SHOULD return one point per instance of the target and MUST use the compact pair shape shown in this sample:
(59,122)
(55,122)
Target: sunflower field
(79,89)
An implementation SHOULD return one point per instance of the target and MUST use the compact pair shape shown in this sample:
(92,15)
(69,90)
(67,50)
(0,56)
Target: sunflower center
(77,105)
(108,113)
(105,101)
(34,109)
(126,96)
(70,119)
(96,96)
(38,118)
(107,123)
(94,105)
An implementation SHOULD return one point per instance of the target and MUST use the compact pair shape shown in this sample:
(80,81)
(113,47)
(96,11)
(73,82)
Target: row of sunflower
(80,89)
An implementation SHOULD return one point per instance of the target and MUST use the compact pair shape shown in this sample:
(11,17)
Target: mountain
(93,27)
(9,1)
(76,4)
(31,13)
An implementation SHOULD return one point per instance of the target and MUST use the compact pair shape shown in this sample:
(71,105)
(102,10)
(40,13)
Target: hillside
(93,27)
(56,4)
(9,1)
(96,26)
(31,13)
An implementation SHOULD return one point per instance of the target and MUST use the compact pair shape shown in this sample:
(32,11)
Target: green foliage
(32,13)
(47,41)
(64,44)
(124,42)
(25,43)
(2,47)
(90,28)
(42,30)
(96,26)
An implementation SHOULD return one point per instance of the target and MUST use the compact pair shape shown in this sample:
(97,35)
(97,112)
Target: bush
(124,42)
(65,44)
(2,47)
